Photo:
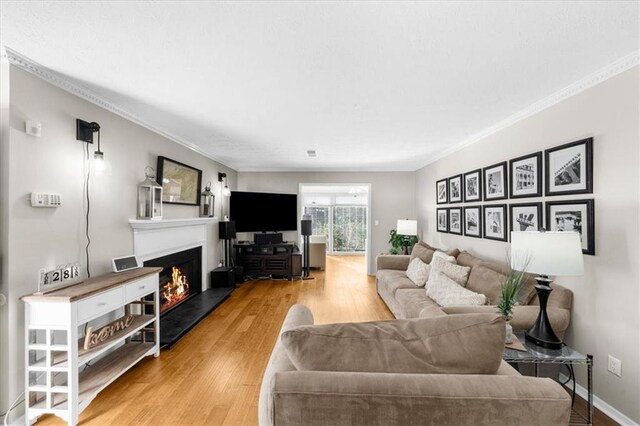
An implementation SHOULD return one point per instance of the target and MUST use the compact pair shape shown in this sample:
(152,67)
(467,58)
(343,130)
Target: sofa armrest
(523,316)
(344,398)
(399,262)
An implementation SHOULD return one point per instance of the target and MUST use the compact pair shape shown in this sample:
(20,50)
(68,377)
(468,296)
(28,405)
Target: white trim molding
(623,64)
(600,404)
(66,84)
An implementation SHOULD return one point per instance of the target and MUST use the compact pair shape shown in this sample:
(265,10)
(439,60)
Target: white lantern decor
(207,200)
(149,196)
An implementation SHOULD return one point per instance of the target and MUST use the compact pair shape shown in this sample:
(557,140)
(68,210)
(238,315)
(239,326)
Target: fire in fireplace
(180,278)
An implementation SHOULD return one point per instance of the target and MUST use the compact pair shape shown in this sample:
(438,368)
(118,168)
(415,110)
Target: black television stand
(269,260)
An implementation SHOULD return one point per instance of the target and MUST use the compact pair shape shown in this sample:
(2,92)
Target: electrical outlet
(614,366)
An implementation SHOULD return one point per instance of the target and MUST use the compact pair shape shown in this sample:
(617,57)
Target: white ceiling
(369,85)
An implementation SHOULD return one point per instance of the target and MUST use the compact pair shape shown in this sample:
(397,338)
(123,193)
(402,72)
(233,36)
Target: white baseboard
(600,404)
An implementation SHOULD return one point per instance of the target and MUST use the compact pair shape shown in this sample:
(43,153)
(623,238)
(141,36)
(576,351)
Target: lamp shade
(407,227)
(549,253)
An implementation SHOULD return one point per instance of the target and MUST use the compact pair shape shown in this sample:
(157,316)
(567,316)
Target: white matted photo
(495,181)
(569,168)
(472,183)
(441,192)
(442,219)
(455,221)
(495,222)
(473,221)
(525,217)
(574,216)
(525,176)
(455,189)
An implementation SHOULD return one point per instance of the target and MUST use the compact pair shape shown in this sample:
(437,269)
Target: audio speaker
(223,277)
(305,227)
(227,230)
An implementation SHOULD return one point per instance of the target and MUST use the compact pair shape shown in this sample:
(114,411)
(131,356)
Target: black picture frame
(455,194)
(467,181)
(453,212)
(588,207)
(445,199)
(500,191)
(173,174)
(525,223)
(439,223)
(493,230)
(468,221)
(518,172)
(561,164)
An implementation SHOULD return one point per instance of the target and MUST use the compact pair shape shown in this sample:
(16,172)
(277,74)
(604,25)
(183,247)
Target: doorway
(341,213)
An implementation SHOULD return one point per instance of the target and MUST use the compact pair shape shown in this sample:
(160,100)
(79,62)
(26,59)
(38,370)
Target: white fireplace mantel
(157,238)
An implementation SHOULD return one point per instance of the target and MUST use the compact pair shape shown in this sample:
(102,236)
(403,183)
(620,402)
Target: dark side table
(537,355)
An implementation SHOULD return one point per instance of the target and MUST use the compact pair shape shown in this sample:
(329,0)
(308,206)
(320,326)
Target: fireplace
(180,279)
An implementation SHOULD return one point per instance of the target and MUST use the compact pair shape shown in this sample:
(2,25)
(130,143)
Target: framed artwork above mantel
(180,182)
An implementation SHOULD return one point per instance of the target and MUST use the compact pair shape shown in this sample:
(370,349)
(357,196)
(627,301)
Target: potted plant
(398,242)
(509,292)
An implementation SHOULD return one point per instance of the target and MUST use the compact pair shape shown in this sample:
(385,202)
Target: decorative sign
(60,276)
(105,333)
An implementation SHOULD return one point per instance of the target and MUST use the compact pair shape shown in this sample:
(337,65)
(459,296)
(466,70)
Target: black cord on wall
(88,199)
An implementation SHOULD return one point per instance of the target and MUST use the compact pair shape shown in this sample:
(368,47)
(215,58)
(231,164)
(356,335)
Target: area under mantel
(171,223)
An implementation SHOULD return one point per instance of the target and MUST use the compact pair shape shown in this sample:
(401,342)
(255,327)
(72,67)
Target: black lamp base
(542,333)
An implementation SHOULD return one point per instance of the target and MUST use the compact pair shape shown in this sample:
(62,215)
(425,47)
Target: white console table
(62,378)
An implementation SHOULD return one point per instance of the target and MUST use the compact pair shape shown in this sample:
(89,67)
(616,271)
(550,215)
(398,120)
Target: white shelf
(170,223)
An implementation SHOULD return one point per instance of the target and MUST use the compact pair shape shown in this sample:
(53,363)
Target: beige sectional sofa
(289,396)
(406,300)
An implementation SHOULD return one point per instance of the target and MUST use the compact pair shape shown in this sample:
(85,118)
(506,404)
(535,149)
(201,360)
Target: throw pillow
(456,272)
(418,272)
(446,292)
(451,344)
(423,253)
(444,256)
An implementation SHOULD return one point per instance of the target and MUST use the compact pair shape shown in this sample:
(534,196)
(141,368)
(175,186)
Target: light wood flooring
(212,375)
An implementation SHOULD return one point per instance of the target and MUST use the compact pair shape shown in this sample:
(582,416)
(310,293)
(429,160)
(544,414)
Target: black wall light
(84,133)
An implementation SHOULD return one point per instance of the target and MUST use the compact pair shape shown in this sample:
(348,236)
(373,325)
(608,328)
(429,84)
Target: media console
(268,260)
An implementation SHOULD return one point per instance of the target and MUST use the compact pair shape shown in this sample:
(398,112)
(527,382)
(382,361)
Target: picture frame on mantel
(495,182)
(180,183)
(442,192)
(569,168)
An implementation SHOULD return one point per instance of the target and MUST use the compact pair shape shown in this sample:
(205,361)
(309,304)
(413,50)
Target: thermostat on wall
(125,263)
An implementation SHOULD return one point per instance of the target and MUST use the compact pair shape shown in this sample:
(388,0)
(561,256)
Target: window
(349,228)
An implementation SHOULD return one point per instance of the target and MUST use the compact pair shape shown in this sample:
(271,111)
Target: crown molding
(623,64)
(52,77)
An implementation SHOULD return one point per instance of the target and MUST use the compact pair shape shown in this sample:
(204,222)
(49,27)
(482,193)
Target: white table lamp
(407,228)
(548,253)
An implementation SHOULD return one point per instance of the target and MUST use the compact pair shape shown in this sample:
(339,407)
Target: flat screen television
(262,211)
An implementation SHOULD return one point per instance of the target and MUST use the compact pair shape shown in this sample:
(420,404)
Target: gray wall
(392,197)
(43,238)
(605,317)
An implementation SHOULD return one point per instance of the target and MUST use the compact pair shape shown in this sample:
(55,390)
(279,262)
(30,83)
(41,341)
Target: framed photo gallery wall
(565,169)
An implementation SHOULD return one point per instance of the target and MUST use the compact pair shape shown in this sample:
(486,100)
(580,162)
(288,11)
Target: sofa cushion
(456,272)
(413,301)
(452,344)
(453,252)
(487,278)
(446,292)
(392,280)
(467,259)
(418,272)
(422,253)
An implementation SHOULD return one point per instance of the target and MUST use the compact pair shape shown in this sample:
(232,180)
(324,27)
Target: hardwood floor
(212,375)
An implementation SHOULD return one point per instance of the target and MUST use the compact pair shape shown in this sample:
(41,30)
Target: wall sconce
(84,133)
(225,190)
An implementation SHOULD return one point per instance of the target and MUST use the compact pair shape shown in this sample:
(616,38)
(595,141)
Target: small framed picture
(495,222)
(495,182)
(455,220)
(443,220)
(455,189)
(525,217)
(473,221)
(441,192)
(569,168)
(574,215)
(473,186)
(525,176)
